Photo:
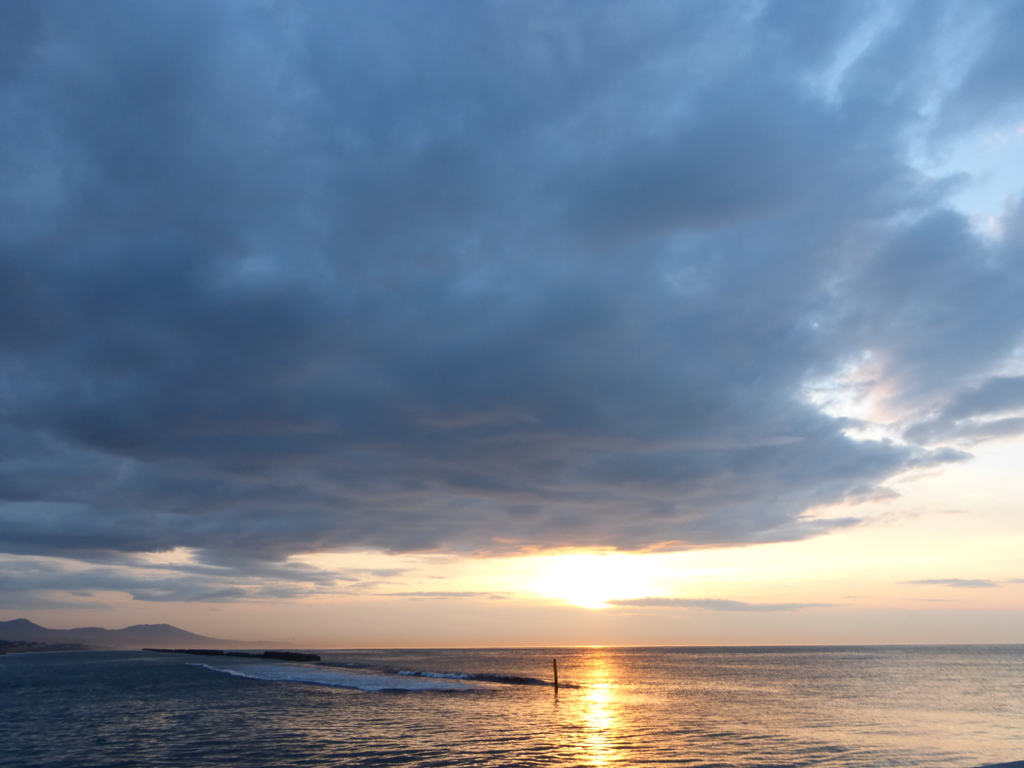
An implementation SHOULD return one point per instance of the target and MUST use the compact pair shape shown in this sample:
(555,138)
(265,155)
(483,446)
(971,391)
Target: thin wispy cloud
(958,583)
(447,595)
(713,604)
(36,581)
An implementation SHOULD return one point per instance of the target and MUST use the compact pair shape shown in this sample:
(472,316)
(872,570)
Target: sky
(514,322)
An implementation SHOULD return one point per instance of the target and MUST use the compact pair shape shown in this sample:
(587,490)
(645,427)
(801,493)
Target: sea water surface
(856,707)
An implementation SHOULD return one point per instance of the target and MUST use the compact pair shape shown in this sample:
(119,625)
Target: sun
(591,580)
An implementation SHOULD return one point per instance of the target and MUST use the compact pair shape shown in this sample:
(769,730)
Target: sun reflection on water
(598,711)
(600,721)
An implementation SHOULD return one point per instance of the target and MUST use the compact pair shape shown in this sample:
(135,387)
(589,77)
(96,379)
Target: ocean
(855,707)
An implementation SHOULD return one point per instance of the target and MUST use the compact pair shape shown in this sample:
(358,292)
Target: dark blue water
(861,706)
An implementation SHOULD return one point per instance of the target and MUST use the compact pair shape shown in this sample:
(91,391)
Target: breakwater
(279,655)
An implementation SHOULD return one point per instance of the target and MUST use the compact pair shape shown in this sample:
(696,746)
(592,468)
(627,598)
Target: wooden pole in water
(554,663)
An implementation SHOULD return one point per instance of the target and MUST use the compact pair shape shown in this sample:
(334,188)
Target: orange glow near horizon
(591,580)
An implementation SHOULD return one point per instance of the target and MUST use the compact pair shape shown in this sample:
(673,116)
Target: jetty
(278,655)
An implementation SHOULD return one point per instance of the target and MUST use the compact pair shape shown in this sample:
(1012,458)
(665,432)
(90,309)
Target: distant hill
(137,636)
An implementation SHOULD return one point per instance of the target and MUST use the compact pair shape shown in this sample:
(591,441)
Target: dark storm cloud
(713,604)
(281,278)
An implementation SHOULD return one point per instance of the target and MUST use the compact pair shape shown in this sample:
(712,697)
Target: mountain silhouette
(136,636)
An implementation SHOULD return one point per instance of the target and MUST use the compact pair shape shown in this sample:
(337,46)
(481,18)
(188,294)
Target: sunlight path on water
(599,717)
(811,707)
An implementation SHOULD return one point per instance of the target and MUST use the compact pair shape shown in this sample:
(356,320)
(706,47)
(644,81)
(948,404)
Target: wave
(445,675)
(481,677)
(332,676)
(485,677)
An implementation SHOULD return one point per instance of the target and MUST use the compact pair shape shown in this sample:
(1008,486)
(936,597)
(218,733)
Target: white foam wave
(337,678)
(445,675)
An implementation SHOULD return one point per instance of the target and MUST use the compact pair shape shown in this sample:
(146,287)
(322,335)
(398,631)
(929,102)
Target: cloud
(713,604)
(39,582)
(983,411)
(39,601)
(446,595)
(481,277)
(959,583)
(992,86)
